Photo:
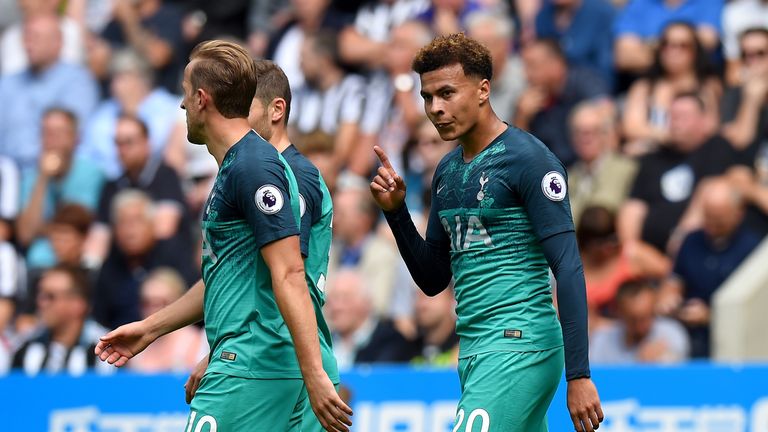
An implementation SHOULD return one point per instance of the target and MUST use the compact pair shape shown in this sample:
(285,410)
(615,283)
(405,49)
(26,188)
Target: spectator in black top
(152,29)
(668,177)
(66,338)
(135,253)
(707,258)
(359,335)
(553,90)
(149,173)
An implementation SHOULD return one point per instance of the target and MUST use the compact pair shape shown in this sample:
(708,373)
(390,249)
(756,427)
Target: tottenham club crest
(553,185)
(269,199)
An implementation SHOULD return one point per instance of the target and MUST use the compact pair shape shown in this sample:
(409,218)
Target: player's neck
(280,139)
(223,133)
(480,136)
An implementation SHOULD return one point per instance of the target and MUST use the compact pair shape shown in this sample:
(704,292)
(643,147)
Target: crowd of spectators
(659,109)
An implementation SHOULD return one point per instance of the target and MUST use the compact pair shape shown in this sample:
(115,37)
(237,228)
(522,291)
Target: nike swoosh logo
(439,188)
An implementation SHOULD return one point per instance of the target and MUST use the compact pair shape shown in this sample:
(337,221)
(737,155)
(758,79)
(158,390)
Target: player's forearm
(185,311)
(430,269)
(563,257)
(292,297)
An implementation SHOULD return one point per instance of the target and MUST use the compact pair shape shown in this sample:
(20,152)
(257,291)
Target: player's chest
(466,186)
(218,207)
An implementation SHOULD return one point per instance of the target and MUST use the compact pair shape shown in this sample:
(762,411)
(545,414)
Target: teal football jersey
(253,203)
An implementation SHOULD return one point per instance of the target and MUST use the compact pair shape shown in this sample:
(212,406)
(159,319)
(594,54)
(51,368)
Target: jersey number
(484,419)
(204,420)
(471,232)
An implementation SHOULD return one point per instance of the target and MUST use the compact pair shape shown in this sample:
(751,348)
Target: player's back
(250,206)
(316,208)
(493,217)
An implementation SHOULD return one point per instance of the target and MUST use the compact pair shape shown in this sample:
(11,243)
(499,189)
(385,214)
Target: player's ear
(279,107)
(201,99)
(484,91)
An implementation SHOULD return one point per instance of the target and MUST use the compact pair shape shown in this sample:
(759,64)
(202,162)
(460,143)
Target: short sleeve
(629,20)
(262,197)
(542,185)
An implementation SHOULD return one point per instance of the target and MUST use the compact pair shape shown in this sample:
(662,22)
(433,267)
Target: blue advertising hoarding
(691,398)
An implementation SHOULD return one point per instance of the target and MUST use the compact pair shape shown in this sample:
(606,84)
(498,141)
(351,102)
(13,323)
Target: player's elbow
(288,276)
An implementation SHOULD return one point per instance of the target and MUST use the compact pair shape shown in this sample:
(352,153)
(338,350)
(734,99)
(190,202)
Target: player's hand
(584,405)
(193,382)
(330,410)
(123,343)
(388,188)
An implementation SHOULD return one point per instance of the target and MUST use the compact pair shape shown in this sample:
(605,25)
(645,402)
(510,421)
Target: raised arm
(428,260)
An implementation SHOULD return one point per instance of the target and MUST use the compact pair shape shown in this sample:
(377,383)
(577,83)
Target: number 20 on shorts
(204,420)
(479,415)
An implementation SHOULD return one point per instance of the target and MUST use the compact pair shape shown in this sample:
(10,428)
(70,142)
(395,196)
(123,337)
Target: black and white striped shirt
(10,188)
(312,109)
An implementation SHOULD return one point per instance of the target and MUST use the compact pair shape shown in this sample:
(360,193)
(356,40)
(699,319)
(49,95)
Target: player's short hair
(130,198)
(456,48)
(226,71)
(75,216)
(77,277)
(272,84)
(139,122)
(69,115)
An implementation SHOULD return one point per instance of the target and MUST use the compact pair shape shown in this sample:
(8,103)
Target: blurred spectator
(9,13)
(152,29)
(91,15)
(66,233)
(739,16)
(680,66)
(135,253)
(329,100)
(639,336)
(449,16)
(639,26)
(366,42)
(46,83)
(356,245)
(200,170)
(359,335)
(744,111)
(707,258)
(132,93)
(752,184)
(436,323)
(553,90)
(394,108)
(496,32)
(66,338)
(667,177)
(175,352)
(9,197)
(205,20)
(12,270)
(580,26)
(318,148)
(60,178)
(608,263)
(148,173)
(309,17)
(13,57)
(430,150)
(600,175)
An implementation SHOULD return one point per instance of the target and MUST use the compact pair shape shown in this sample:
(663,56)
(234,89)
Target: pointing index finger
(382,157)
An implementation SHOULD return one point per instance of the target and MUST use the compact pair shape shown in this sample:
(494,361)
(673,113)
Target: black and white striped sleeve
(9,189)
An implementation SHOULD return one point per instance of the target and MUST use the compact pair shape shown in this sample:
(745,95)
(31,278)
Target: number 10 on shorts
(478,415)
(204,420)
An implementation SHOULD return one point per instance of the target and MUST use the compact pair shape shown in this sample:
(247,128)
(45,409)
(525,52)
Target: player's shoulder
(522,144)
(301,166)
(251,152)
